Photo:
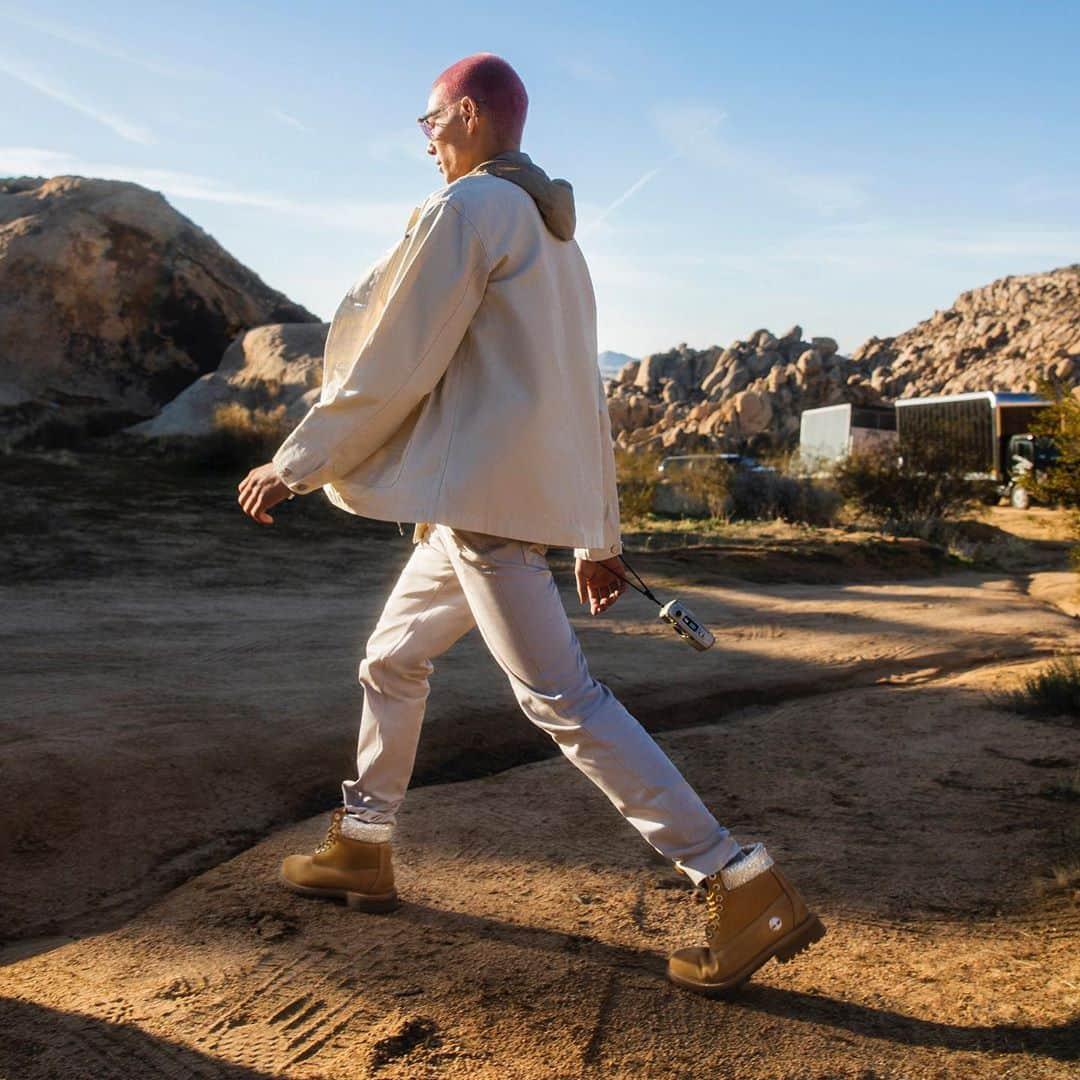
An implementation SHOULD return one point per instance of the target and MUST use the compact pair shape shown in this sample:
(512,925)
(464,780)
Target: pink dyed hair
(489,78)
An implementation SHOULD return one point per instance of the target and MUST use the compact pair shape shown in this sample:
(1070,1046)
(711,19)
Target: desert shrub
(1060,881)
(1054,691)
(757,496)
(1061,484)
(1061,421)
(928,484)
(741,494)
(705,484)
(255,431)
(241,438)
(636,478)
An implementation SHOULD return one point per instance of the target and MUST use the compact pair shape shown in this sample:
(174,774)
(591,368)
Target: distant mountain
(611,362)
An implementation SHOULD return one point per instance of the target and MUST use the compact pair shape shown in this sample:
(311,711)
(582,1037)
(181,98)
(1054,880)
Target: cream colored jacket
(461,383)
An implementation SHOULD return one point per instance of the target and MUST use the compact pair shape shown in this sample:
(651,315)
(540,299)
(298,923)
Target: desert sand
(181,701)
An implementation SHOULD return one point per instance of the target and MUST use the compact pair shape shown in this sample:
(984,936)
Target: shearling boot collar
(753,861)
(356,829)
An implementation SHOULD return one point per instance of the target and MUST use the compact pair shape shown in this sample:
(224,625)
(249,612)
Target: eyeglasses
(427,127)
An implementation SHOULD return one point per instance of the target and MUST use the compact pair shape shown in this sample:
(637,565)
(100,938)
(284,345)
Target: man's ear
(468,112)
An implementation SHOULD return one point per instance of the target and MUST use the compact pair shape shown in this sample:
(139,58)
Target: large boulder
(111,303)
(264,369)
(752,412)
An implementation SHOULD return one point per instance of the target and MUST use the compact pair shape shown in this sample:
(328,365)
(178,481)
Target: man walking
(461,392)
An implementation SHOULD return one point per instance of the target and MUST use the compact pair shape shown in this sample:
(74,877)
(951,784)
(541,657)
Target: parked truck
(989,432)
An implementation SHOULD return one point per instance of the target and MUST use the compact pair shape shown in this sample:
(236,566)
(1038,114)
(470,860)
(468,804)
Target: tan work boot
(356,871)
(754,914)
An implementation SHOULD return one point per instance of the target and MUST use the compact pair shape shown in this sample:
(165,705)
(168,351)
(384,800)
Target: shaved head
(488,78)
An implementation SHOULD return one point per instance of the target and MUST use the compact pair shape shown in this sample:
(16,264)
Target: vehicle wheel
(1019,497)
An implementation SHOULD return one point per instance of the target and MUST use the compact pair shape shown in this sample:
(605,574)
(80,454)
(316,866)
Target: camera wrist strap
(644,589)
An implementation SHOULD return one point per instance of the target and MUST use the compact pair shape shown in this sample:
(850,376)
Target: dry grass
(637,478)
(1060,881)
(258,429)
(241,438)
(1054,691)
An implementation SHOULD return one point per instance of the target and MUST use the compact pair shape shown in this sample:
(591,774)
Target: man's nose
(431,147)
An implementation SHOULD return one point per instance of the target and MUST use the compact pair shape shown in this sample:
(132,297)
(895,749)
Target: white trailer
(832,432)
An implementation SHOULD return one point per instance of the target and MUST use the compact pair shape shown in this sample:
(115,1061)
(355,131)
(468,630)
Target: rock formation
(111,302)
(264,369)
(747,395)
(1005,336)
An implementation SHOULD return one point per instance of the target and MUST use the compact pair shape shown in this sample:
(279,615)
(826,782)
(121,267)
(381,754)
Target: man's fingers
(251,502)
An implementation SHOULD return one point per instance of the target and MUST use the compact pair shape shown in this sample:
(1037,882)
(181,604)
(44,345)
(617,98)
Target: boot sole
(787,948)
(371,902)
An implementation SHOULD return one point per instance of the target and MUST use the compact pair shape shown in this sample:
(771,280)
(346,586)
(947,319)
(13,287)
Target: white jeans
(456,579)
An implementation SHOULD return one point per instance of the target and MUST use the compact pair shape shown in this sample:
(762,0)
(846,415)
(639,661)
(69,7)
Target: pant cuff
(700,866)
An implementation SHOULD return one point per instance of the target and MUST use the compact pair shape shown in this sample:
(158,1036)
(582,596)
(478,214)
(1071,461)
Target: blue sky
(850,167)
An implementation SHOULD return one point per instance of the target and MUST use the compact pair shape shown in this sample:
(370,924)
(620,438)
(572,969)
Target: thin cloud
(375,218)
(589,72)
(285,118)
(408,144)
(632,190)
(126,129)
(694,132)
(1035,191)
(882,240)
(84,39)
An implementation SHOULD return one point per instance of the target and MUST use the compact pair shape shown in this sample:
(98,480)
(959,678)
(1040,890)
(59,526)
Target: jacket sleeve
(439,283)
(609,487)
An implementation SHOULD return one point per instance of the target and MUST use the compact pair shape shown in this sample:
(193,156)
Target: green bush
(1060,421)
(929,484)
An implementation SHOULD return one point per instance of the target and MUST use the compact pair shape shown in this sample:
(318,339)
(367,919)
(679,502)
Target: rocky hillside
(1004,336)
(111,303)
(747,395)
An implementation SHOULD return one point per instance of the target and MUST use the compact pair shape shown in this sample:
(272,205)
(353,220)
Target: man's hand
(261,489)
(597,583)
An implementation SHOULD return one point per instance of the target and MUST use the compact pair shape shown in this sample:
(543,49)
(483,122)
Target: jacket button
(614,549)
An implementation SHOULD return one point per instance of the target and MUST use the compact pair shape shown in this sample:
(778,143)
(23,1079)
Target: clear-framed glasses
(425,122)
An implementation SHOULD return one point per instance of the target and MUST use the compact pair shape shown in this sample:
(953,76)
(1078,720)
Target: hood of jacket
(554,198)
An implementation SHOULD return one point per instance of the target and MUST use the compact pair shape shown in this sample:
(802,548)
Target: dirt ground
(180,687)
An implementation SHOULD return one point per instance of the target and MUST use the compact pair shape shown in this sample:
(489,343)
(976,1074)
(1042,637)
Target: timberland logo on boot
(775,923)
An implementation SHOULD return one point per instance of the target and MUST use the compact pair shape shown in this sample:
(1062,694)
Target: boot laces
(333,833)
(714,905)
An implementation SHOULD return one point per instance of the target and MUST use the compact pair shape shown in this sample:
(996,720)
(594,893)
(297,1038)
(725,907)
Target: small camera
(687,625)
